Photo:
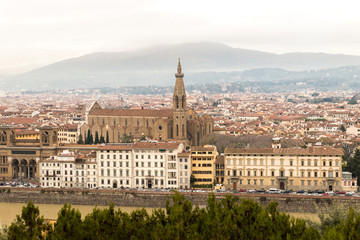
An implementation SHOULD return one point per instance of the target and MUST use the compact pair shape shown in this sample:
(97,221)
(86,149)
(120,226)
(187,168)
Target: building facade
(283,168)
(203,164)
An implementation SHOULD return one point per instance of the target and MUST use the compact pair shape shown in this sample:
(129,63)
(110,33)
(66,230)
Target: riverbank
(139,199)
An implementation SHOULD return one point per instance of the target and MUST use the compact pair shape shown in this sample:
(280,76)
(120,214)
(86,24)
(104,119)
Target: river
(8,211)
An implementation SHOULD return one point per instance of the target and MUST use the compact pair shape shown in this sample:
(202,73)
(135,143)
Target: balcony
(330,179)
(283,178)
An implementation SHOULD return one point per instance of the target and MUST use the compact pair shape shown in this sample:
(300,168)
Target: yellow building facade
(203,164)
(284,168)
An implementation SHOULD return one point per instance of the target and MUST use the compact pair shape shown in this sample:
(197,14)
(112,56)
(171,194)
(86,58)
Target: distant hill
(202,62)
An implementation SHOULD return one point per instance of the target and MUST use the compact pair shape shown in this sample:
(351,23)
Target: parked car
(349,193)
(274,190)
(242,190)
(251,191)
(300,192)
(341,192)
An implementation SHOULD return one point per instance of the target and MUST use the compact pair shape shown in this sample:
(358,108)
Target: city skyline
(39,33)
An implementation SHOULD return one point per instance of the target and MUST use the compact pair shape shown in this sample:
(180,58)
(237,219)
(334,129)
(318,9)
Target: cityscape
(179,120)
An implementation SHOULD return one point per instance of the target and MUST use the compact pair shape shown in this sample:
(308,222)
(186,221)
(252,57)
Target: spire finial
(179,66)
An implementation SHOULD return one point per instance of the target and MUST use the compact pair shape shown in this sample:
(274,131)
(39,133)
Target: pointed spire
(179,74)
(179,66)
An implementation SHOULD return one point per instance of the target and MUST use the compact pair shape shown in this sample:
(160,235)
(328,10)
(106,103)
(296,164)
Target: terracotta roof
(124,146)
(156,145)
(132,112)
(219,159)
(287,151)
(209,148)
(184,154)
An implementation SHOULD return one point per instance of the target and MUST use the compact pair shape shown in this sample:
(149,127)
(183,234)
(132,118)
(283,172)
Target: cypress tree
(80,141)
(96,137)
(107,136)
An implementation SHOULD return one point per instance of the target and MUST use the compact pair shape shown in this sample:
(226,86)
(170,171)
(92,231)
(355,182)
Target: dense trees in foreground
(225,219)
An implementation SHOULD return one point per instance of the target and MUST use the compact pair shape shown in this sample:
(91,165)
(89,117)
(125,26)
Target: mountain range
(203,62)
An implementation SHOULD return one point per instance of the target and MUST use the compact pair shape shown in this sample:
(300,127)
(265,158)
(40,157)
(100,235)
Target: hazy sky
(38,32)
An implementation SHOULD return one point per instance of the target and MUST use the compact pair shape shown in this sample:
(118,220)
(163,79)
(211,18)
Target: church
(179,123)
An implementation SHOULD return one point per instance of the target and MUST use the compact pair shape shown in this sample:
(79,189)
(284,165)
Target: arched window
(3,136)
(138,122)
(45,136)
(177,130)
(183,102)
(183,130)
(177,101)
(114,122)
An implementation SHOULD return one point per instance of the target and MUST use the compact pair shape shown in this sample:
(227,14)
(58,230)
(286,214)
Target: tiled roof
(124,146)
(287,151)
(132,112)
(156,145)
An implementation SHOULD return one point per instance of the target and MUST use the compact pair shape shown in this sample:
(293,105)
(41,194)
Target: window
(272,173)
(291,174)
(309,163)
(291,163)
(315,174)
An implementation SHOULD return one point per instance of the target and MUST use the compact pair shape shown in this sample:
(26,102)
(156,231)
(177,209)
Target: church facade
(178,123)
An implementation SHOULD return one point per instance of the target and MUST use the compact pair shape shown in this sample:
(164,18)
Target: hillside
(156,65)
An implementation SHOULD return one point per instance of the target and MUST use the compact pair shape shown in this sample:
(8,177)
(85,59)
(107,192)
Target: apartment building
(203,164)
(115,164)
(184,170)
(283,168)
(57,171)
(68,134)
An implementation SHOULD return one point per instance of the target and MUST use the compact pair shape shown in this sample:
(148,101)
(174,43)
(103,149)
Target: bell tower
(179,106)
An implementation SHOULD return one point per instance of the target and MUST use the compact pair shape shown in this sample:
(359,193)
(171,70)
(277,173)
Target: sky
(34,33)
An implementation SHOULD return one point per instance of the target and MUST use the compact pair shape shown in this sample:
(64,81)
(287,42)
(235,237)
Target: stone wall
(306,204)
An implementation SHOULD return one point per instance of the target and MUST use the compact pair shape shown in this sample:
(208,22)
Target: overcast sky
(38,32)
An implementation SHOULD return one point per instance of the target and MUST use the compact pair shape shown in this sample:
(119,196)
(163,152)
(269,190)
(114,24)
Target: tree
(102,140)
(68,224)
(107,136)
(97,140)
(30,225)
(142,138)
(192,180)
(80,141)
(342,128)
(353,165)
(127,138)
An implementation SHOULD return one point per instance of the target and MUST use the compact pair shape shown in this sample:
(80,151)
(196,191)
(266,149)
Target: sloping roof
(156,145)
(123,146)
(287,151)
(132,112)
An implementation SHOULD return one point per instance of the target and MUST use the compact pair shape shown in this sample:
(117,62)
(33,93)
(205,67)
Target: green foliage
(28,225)
(102,139)
(97,140)
(107,136)
(342,128)
(69,224)
(352,101)
(127,138)
(353,165)
(80,141)
(228,218)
